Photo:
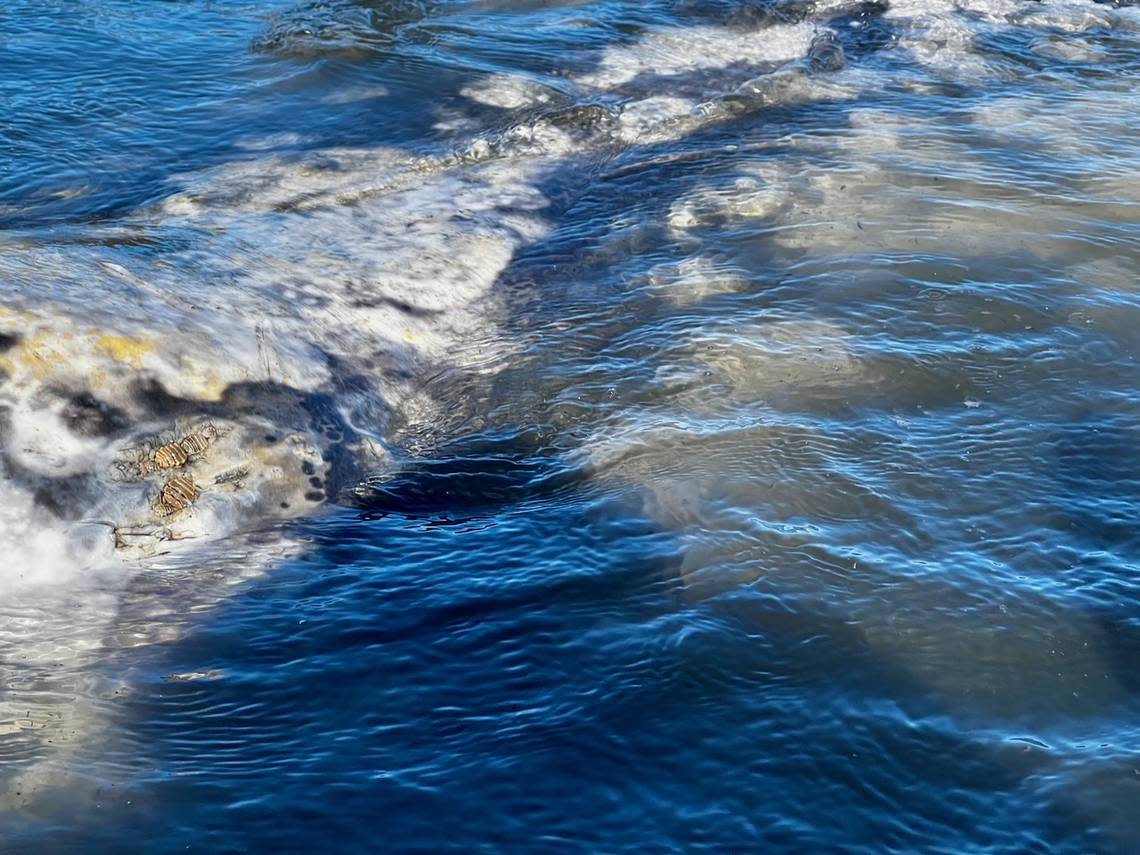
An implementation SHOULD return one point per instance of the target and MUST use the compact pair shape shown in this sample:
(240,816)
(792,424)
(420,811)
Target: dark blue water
(776,490)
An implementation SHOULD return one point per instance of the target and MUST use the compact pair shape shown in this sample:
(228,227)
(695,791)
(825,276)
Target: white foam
(651,119)
(41,550)
(684,50)
(507,91)
(1076,16)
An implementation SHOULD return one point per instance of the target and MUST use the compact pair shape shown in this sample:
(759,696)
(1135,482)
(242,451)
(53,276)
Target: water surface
(690,425)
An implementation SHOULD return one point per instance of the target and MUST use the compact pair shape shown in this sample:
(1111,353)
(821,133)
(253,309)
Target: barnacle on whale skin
(194,444)
(169,456)
(175,455)
(177,494)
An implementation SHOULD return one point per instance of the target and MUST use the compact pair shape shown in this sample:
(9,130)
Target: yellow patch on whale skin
(40,356)
(45,353)
(123,349)
(53,350)
(199,377)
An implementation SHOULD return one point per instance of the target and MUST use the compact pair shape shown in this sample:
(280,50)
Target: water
(690,425)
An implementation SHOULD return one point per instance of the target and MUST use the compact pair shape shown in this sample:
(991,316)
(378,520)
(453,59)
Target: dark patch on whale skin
(8,341)
(67,497)
(268,399)
(47,499)
(151,395)
(403,306)
(290,409)
(86,415)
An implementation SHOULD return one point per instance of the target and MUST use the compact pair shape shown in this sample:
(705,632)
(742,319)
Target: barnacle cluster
(179,491)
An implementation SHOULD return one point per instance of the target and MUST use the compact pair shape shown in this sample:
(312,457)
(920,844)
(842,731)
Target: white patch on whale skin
(60,590)
(1093,126)
(794,357)
(371,249)
(760,193)
(852,191)
(1068,48)
(40,442)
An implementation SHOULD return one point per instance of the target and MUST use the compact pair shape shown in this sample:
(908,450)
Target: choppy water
(669,426)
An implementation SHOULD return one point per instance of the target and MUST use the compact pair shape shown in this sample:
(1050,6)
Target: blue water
(789,503)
